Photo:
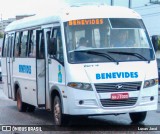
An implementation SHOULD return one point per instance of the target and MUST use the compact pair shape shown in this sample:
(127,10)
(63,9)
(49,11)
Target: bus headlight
(82,86)
(149,83)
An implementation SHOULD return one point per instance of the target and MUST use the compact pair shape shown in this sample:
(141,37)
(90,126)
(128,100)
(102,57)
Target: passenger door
(40,69)
(9,64)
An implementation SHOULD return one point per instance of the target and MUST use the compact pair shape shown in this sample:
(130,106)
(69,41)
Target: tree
(1,35)
(159,43)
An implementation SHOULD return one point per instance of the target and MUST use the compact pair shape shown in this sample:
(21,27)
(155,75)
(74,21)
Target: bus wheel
(22,107)
(138,117)
(59,118)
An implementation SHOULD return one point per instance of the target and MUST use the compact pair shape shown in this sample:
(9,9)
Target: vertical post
(130,4)
(112,2)
(1,17)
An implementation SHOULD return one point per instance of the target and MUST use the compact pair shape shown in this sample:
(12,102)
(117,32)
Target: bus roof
(74,13)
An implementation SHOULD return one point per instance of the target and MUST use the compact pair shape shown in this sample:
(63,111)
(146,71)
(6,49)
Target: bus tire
(138,117)
(21,106)
(59,118)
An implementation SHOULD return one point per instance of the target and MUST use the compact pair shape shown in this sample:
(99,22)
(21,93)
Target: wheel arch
(55,91)
(16,87)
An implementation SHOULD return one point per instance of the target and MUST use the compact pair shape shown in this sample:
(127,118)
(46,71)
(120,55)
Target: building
(18,17)
(4,23)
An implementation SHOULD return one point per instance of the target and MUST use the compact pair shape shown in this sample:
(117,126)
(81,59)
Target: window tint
(79,34)
(40,44)
(5,43)
(56,45)
(32,44)
(103,35)
(126,23)
(9,48)
(17,45)
(23,43)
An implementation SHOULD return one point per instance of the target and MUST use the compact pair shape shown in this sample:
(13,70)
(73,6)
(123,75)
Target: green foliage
(159,43)
(1,35)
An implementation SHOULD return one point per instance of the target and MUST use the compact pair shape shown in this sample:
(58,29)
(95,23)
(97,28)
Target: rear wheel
(21,106)
(59,118)
(138,117)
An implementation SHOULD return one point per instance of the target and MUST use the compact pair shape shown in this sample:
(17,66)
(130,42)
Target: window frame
(5,45)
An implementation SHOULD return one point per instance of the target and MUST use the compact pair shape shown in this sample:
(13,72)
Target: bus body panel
(24,73)
(60,74)
(92,103)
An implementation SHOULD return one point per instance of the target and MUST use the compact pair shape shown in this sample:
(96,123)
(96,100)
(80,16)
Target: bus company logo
(117,75)
(25,69)
(119,86)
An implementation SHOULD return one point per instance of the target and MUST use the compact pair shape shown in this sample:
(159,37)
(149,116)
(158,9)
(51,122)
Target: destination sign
(86,22)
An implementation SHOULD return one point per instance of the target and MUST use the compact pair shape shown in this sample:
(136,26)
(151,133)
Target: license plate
(120,96)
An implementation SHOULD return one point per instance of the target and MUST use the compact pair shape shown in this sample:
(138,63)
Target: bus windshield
(88,39)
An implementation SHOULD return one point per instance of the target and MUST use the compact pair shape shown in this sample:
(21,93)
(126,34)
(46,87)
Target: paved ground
(10,115)
(2,96)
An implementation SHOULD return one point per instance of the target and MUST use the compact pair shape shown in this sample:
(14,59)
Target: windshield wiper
(133,54)
(101,54)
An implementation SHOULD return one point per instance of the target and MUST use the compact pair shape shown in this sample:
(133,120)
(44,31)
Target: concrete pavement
(2,95)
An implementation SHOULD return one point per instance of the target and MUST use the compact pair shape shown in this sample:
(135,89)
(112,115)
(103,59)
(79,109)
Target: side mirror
(155,42)
(52,46)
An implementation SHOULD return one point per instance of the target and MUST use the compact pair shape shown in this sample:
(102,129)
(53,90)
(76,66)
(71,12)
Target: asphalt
(2,95)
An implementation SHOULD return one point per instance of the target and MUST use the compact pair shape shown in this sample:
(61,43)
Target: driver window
(56,45)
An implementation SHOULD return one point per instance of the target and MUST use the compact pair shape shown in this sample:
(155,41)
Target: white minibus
(81,61)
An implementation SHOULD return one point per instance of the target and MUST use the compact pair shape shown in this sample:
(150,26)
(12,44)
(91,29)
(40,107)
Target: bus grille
(112,87)
(118,103)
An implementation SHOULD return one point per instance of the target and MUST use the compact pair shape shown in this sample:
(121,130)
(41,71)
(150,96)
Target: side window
(5,43)
(10,43)
(57,44)
(17,45)
(32,44)
(23,44)
(40,44)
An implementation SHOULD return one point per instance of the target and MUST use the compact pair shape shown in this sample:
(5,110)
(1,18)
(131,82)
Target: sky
(11,8)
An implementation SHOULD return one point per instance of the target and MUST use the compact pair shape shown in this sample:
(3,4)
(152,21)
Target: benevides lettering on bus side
(25,69)
(85,22)
(115,75)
